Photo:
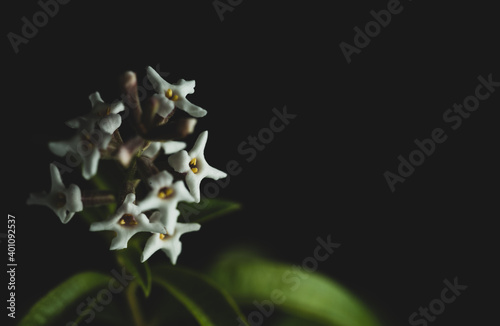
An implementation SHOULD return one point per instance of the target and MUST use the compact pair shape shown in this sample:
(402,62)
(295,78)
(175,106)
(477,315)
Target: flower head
(164,196)
(127,221)
(63,201)
(169,244)
(174,95)
(195,166)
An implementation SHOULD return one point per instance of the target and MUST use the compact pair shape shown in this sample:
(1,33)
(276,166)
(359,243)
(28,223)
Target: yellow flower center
(193,166)
(165,192)
(164,236)
(170,95)
(127,220)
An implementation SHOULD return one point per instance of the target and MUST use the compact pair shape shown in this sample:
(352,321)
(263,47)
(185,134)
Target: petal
(101,225)
(90,163)
(73,198)
(181,192)
(180,161)
(186,227)
(172,146)
(184,87)
(104,141)
(159,84)
(188,107)
(68,217)
(151,201)
(149,226)
(95,98)
(173,250)
(160,180)
(116,107)
(153,149)
(193,182)
(169,219)
(199,145)
(62,214)
(152,245)
(166,106)
(213,173)
(60,148)
(56,181)
(110,123)
(130,198)
(74,123)
(119,242)
(41,198)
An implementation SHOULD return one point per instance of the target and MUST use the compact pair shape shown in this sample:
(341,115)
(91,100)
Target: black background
(322,175)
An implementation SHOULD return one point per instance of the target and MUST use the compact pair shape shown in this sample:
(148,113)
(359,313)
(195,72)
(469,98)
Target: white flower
(195,166)
(164,196)
(107,115)
(174,95)
(127,221)
(84,146)
(169,244)
(63,201)
(169,147)
(104,115)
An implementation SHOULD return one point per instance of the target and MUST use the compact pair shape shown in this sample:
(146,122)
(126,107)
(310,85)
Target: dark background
(323,175)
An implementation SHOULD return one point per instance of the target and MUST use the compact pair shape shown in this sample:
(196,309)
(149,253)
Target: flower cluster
(156,128)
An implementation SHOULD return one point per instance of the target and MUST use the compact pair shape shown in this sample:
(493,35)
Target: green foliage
(130,258)
(65,296)
(310,296)
(209,304)
(205,210)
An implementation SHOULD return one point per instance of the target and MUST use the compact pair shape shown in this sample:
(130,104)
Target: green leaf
(64,297)
(250,278)
(205,210)
(208,304)
(130,258)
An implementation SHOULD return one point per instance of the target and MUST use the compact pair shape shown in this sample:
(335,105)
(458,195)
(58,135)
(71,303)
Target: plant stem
(92,198)
(134,305)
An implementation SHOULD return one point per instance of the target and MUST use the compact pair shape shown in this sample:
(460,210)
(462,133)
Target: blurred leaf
(100,213)
(209,305)
(251,280)
(64,297)
(205,210)
(130,258)
(284,319)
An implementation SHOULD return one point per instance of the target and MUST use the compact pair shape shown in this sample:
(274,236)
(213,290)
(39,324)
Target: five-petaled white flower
(169,244)
(173,96)
(127,221)
(164,196)
(104,115)
(63,201)
(194,165)
(84,147)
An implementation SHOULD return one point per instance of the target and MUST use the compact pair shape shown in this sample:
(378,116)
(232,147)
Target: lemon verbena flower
(173,96)
(126,221)
(63,201)
(164,197)
(169,244)
(194,165)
